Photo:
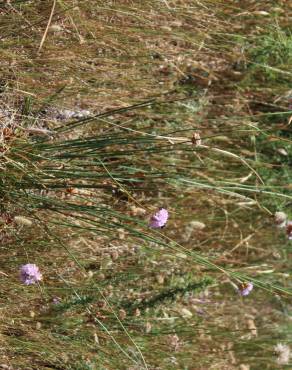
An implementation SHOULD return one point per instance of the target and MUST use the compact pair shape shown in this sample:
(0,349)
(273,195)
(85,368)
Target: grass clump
(271,56)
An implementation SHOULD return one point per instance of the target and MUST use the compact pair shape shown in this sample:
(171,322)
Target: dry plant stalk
(48,26)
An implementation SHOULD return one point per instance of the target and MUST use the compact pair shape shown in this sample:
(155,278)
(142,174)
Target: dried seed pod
(114,255)
(22,221)
(122,314)
(148,327)
(137,312)
(196,139)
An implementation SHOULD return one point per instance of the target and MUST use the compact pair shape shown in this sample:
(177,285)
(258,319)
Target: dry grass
(115,54)
(192,59)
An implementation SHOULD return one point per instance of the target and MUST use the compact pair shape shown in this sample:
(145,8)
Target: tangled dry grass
(100,122)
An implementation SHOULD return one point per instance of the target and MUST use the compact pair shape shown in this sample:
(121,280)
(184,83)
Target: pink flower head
(30,274)
(289,230)
(159,219)
(245,288)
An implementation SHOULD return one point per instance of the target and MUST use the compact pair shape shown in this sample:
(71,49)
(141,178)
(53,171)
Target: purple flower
(30,274)
(56,300)
(245,288)
(289,230)
(159,219)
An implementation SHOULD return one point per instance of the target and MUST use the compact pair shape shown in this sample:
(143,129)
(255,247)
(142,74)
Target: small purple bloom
(30,274)
(56,300)
(289,230)
(245,289)
(159,219)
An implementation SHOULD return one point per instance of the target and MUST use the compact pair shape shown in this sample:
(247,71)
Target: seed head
(283,352)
